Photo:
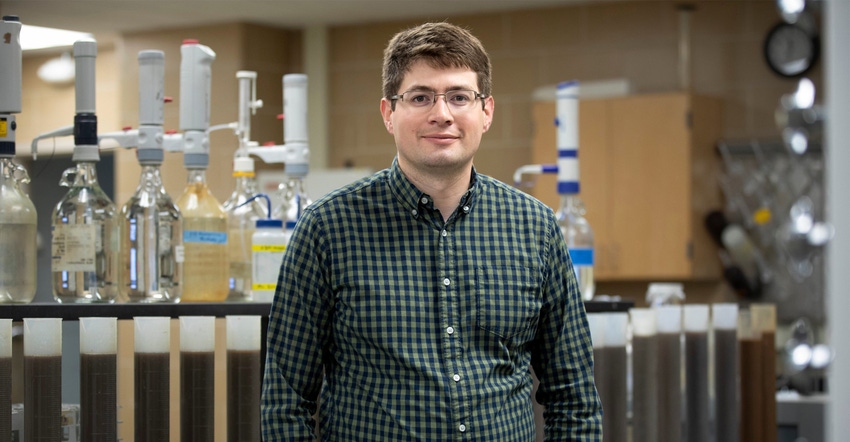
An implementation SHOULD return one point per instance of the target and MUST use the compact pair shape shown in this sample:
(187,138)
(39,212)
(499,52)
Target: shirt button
(414,212)
(465,209)
(446,281)
(444,233)
(461,428)
(450,330)
(424,200)
(456,378)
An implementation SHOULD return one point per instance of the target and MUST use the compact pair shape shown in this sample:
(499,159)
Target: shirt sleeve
(299,325)
(563,354)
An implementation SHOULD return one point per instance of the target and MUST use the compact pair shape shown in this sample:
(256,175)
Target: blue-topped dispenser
(574,225)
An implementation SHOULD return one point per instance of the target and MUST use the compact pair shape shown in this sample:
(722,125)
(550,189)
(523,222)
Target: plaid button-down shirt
(425,330)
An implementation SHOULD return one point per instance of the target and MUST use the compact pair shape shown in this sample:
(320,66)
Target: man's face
(442,138)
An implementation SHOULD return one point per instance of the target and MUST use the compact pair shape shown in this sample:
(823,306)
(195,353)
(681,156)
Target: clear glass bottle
(84,240)
(293,200)
(151,251)
(17,236)
(206,265)
(240,227)
(579,237)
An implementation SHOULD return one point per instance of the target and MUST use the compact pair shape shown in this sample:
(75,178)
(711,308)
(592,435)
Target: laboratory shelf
(18,312)
(607,306)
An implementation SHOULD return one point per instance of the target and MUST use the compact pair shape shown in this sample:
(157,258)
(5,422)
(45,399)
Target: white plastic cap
(696,317)
(243,164)
(5,338)
(597,323)
(197,333)
(669,318)
(724,316)
(243,332)
(42,337)
(98,335)
(661,293)
(152,334)
(616,329)
(643,321)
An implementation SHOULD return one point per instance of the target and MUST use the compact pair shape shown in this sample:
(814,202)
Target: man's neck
(446,189)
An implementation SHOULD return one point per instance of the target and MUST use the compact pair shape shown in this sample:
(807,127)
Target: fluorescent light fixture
(37,37)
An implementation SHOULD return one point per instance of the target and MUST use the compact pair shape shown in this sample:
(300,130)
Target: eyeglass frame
(477,95)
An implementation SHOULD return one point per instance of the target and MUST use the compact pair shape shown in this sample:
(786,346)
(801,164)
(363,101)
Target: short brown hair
(442,45)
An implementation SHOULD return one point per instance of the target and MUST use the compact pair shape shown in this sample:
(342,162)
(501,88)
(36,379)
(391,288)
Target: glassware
(197,374)
(244,378)
(724,320)
(669,373)
(43,379)
(152,344)
(579,236)
(696,372)
(99,379)
(240,227)
(17,236)
(205,266)
(84,240)
(151,251)
(644,375)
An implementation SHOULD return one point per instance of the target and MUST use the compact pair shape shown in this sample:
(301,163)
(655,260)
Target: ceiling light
(37,37)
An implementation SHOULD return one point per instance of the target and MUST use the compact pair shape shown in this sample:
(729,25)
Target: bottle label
(73,247)
(266,266)
(205,237)
(581,257)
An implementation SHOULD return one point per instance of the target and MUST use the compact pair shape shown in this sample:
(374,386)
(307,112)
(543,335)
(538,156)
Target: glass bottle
(17,236)
(240,227)
(151,251)
(84,240)
(206,266)
(294,200)
(579,237)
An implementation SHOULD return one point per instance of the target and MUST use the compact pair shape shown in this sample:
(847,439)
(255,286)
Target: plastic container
(670,392)
(696,373)
(197,378)
(644,375)
(764,317)
(268,244)
(752,398)
(244,378)
(152,378)
(42,379)
(615,376)
(98,379)
(5,376)
(724,326)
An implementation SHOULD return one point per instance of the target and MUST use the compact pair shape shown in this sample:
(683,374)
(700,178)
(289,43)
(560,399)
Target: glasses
(458,100)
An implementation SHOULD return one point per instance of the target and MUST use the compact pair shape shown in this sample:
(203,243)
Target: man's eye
(420,98)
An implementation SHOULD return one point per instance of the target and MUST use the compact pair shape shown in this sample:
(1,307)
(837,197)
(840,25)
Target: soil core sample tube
(752,408)
(644,375)
(152,376)
(42,379)
(764,317)
(696,373)
(669,319)
(98,379)
(6,376)
(596,324)
(615,420)
(244,379)
(197,378)
(724,325)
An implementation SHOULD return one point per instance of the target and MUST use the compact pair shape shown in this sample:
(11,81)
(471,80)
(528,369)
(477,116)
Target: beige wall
(632,40)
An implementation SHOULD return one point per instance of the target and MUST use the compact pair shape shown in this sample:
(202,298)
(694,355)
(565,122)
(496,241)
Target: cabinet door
(648,167)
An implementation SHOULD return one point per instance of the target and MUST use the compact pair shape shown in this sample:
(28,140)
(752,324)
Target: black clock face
(790,50)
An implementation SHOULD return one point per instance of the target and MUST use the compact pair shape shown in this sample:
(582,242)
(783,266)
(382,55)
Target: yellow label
(762,216)
(275,248)
(3,127)
(264,286)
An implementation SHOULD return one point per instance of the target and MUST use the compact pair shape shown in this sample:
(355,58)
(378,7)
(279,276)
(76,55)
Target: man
(424,293)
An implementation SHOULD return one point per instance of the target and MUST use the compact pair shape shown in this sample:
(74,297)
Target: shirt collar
(412,198)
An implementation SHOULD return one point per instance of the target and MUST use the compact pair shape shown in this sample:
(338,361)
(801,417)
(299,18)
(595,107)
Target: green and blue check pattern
(425,330)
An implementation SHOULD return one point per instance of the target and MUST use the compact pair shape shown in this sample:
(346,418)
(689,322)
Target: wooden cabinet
(648,173)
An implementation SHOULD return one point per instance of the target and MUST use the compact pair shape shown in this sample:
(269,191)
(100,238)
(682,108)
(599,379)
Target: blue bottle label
(581,257)
(200,236)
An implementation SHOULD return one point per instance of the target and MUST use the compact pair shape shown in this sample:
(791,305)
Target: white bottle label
(73,247)
(266,265)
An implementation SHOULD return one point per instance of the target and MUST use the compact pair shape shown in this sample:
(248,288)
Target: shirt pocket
(507,300)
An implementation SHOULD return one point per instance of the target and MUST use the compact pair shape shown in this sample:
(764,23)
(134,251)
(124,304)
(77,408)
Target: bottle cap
(270,223)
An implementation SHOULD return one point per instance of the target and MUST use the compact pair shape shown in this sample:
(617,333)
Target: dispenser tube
(151,87)
(85,53)
(195,85)
(10,66)
(567,122)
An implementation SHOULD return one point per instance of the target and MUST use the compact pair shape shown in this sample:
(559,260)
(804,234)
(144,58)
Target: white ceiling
(114,16)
